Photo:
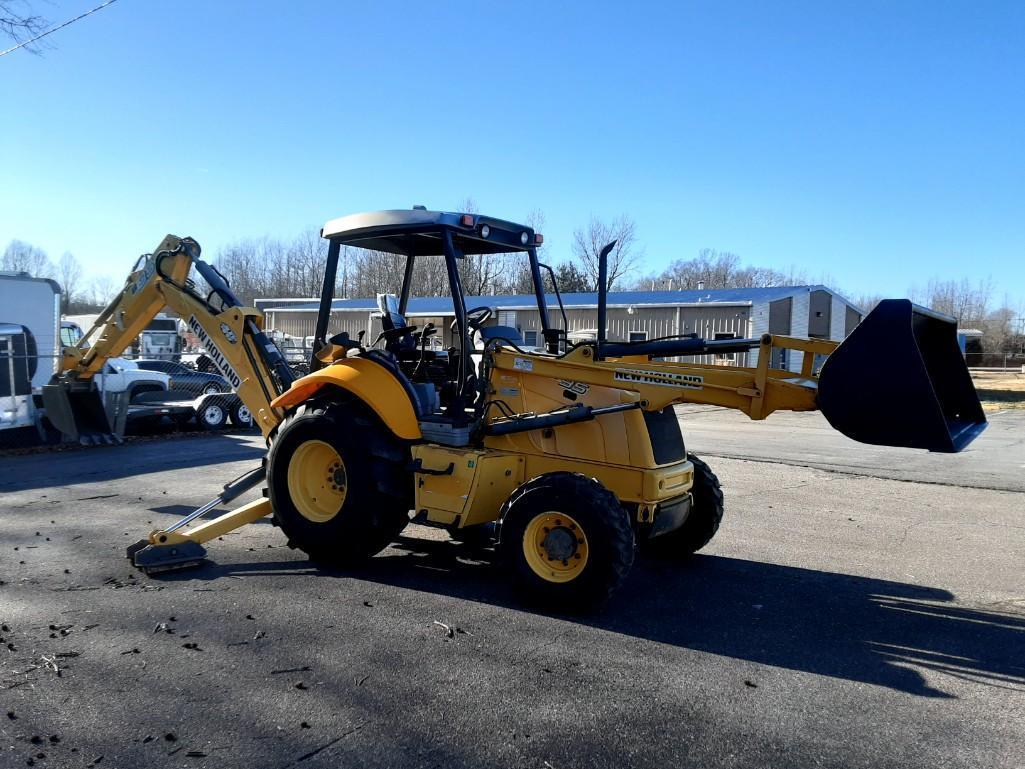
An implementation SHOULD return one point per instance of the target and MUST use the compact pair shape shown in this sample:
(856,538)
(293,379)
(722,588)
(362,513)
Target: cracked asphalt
(860,607)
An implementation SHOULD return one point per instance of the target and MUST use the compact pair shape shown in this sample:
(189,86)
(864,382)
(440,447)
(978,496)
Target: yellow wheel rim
(317,481)
(555,547)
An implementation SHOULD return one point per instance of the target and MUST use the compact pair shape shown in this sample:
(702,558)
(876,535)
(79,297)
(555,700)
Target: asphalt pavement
(858,609)
(995,460)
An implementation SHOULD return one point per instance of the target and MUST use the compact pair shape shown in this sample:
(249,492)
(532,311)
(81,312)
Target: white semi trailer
(29,344)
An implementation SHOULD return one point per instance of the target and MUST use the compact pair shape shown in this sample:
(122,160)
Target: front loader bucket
(76,409)
(900,379)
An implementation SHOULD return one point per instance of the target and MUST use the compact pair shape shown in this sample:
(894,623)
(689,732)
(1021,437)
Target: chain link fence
(997,361)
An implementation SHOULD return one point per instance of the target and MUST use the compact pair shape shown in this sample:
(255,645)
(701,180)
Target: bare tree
(965,301)
(479,272)
(102,288)
(537,221)
(710,269)
(866,302)
(69,275)
(625,257)
(19,23)
(20,256)
(997,330)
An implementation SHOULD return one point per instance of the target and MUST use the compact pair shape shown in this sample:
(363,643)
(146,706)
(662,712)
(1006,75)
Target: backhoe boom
(231,334)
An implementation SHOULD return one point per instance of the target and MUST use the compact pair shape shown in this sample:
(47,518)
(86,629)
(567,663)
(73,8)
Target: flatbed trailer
(211,411)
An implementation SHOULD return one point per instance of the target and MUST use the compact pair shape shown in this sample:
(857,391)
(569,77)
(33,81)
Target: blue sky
(880,143)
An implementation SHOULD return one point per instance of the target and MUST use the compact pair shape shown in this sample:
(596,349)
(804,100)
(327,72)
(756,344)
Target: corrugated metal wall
(302,324)
(655,322)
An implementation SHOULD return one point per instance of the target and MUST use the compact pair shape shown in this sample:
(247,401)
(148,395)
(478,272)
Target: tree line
(289,268)
(78,295)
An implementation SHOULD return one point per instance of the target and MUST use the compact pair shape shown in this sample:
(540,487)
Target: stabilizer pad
(156,558)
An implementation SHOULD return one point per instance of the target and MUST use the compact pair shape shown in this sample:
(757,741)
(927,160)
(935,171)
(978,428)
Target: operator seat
(507,333)
(402,345)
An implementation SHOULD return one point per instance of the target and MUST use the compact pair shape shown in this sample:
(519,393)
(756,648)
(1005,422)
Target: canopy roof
(418,232)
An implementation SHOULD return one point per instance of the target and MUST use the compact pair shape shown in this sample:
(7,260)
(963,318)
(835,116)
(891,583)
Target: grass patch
(999,390)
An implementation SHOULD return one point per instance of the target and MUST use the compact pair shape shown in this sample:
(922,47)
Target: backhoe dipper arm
(231,334)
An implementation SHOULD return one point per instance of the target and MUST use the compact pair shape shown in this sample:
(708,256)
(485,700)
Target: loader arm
(231,334)
(899,379)
(757,391)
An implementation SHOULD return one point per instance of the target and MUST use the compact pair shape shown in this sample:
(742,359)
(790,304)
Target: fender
(371,382)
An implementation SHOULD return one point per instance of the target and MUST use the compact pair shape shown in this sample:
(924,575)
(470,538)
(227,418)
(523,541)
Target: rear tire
(211,415)
(241,416)
(338,482)
(566,541)
(701,524)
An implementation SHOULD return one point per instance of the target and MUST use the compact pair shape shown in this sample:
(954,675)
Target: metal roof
(442,305)
(418,232)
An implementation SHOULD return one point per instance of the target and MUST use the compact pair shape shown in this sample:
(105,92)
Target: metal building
(805,311)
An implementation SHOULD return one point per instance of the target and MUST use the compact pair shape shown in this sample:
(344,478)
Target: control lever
(424,336)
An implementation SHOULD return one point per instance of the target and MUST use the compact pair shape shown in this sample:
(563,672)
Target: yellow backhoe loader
(572,455)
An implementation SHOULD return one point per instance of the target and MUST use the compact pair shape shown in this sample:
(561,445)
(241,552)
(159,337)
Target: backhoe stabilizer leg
(153,559)
(167,550)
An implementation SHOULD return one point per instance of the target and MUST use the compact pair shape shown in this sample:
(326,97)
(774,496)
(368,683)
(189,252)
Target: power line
(54,29)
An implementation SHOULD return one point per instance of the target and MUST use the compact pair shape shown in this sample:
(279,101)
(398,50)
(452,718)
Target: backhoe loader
(573,454)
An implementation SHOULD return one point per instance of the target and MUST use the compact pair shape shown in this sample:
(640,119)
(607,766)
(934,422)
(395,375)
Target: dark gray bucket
(900,379)
(76,409)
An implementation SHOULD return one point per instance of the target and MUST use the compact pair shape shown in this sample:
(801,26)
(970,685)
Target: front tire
(338,483)
(701,524)
(566,541)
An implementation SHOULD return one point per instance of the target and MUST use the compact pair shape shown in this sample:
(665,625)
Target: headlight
(524,238)
(484,230)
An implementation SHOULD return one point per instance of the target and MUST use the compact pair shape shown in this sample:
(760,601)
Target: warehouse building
(804,311)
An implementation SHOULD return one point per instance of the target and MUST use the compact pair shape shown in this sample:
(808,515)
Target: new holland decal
(215,355)
(660,378)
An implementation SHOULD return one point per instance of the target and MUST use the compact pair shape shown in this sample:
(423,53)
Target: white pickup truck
(119,375)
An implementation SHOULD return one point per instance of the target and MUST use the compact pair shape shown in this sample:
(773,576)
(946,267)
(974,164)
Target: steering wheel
(475,318)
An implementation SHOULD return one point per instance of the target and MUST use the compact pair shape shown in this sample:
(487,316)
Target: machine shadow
(180,511)
(839,625)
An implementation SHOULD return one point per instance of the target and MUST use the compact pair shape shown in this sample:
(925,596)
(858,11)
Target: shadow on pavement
(104,463)
(180,511)
(855,628)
